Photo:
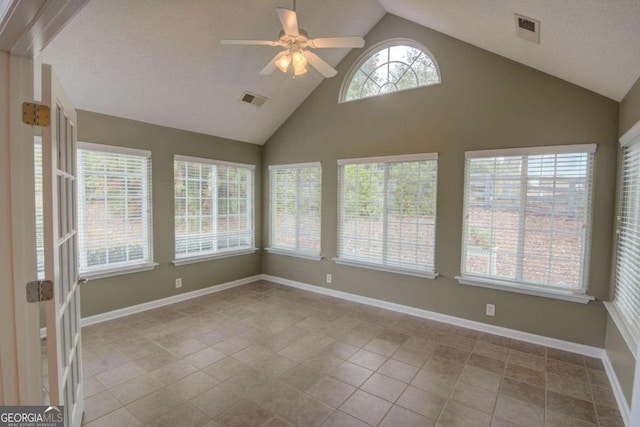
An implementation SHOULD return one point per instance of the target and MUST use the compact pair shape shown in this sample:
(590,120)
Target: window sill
(210,257)
(524,289)
(386,268)
(625,331)
(119,271)
(292,253)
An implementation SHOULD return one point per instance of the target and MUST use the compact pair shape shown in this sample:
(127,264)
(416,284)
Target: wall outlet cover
(491,310)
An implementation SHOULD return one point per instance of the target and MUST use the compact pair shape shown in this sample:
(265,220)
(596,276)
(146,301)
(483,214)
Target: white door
(61,242)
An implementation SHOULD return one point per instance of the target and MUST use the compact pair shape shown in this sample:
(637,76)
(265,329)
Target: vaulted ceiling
(160,61)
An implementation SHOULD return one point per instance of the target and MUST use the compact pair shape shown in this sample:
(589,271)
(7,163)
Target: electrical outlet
(178,282)
(329,278)
(491,310)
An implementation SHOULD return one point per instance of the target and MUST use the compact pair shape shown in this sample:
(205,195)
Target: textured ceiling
(160,61)
(591,43)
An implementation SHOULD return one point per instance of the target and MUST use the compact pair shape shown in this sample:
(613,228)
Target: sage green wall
(630,108)
(619,353)
(622,360)
(485,101)
(116,292)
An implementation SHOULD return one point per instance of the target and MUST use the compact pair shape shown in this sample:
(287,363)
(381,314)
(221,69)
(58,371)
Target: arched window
(390,66)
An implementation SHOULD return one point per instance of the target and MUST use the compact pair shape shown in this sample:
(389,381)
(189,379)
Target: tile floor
(268,355)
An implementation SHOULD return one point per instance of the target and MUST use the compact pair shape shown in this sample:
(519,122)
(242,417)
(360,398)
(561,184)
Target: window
(387,213)
(37,165)
(295,208)
(527,219)
(114,210)
(627,274)
(213,208)
(391,66)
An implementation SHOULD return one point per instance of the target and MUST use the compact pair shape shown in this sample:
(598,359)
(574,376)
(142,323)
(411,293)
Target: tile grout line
(458,379)
(504,371)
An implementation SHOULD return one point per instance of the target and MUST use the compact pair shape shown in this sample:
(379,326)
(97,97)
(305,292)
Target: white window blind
(295,207)
(527,216)
(214,207)
(37,164)
(387,213)
(114,208)
(627,275)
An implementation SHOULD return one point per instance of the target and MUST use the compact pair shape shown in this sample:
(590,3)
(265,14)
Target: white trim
(390,159)
(585,350)
(386,268)
(294,253)
(119,271)
(103,148)
(181,158)
(4,8)
(20,370)
(532,151)
(634,416)
(29,26)
(623,406)
(628,337)
(211,257)
(297,166)
(630,135)
(521,288)
(139,308)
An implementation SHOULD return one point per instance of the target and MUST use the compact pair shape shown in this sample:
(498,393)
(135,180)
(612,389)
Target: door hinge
(40,290)
(36,114)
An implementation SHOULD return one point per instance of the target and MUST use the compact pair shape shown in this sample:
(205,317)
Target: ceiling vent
(528,28)
(253,99)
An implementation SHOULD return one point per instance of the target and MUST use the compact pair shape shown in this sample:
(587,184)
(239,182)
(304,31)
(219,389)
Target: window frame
(117,269)
(288,251)
(364,57)
(251,194)
(530,288)
(389,268)
(629,331)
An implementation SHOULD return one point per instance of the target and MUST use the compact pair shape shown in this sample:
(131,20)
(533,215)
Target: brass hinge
(40,290)
(36,114)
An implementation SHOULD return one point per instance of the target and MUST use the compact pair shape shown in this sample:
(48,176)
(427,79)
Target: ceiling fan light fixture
(298,71)
(283,63)
(299,60)
(294,40)
(299,64)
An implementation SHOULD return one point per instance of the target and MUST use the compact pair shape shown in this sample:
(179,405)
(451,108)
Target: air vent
(253,99)
(528,28)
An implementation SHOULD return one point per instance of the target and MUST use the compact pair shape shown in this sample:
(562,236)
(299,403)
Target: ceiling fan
(297,44)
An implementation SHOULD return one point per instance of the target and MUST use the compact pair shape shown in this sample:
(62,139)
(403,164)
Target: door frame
(26,29)
(20,322)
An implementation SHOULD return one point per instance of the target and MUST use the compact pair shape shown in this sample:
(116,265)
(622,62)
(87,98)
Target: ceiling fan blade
(251,42)
(271,66)
(289,21)
(336,42)
(320,64)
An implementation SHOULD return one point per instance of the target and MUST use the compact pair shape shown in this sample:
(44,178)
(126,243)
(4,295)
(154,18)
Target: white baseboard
(625,411)
(465,323)
(110,315)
